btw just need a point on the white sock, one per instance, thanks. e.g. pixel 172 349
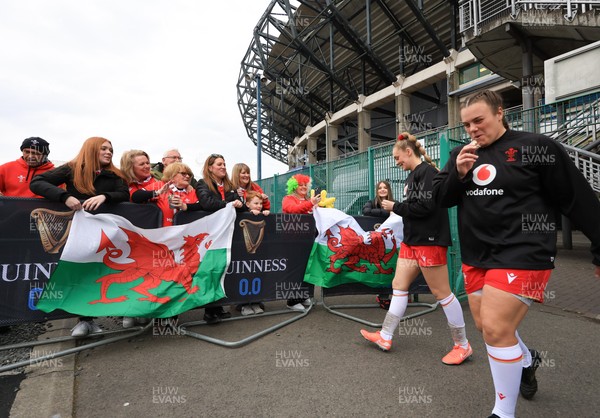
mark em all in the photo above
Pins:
pixel 526 353
pixel 506 366
pixel 397 308
pixel 456 320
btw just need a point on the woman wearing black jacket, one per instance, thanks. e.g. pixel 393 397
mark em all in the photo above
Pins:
pixel 373 207
pixel 91 179
pixel 214 191
pixel 423 250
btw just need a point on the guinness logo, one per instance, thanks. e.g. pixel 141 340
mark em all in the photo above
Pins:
pixel 53 227
pixel 254 232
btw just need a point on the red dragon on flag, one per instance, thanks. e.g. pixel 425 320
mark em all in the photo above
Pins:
pixel 152 261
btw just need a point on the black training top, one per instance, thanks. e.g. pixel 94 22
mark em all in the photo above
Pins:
pixel 507 203
pixel 425 223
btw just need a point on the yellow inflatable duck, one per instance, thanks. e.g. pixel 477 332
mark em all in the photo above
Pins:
pixel 326 202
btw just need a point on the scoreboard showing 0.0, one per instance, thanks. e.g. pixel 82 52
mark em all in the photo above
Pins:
pixel 250 288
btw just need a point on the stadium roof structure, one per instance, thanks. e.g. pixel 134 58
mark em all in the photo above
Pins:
pixel 310 58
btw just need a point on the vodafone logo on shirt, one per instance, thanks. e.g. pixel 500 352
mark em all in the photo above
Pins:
pixel 484 174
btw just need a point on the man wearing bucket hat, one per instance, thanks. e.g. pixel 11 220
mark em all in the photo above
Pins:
pixel 15 176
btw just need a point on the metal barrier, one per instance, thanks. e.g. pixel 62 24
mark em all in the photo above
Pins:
pixel 130 332
pixel 253 337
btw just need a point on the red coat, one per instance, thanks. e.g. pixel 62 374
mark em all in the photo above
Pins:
pixel 15 177
pixel 162 201
pixel 293 204
pixel 142 185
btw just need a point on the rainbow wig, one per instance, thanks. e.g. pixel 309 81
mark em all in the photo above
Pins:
pixel 294 181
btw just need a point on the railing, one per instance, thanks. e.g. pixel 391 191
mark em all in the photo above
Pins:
pixel 588 163
pixel 474 13
pixel 352 180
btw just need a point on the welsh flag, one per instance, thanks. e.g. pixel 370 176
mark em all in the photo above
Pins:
pixel 110 267
pixel 344 253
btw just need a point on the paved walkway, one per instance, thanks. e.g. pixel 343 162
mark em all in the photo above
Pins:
pixel 321 366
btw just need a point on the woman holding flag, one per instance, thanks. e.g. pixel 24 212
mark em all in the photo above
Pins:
pixel 423 250
pixel 214 191
pixel 91 180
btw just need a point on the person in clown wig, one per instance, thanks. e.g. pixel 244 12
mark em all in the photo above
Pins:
pixel 299 201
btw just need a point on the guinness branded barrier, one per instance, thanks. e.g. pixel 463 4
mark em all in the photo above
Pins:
pixel 268 257
pixel 32 235
pixel 268 254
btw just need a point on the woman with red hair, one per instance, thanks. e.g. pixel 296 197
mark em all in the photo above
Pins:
pixel 91 179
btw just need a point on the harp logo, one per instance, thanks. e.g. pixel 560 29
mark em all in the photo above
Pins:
pixel 254 232
pixel 53 227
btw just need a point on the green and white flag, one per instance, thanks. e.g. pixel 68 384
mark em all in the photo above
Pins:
pixel 344 253
pixel 111 267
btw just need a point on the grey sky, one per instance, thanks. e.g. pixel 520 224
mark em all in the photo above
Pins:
pixel 146 74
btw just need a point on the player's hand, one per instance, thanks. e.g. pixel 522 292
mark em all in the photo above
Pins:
pixel 388 205
pixel 466 158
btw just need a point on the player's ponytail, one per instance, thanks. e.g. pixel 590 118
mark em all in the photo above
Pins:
pixel 406 140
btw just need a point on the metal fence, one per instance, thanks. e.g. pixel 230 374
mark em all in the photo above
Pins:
pixel 352 180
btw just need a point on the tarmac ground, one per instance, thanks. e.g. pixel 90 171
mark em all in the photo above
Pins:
pixel 321 366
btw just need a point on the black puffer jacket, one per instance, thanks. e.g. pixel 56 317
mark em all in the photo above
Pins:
pixel 210 201
pixel 372 208
pixel 106 183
